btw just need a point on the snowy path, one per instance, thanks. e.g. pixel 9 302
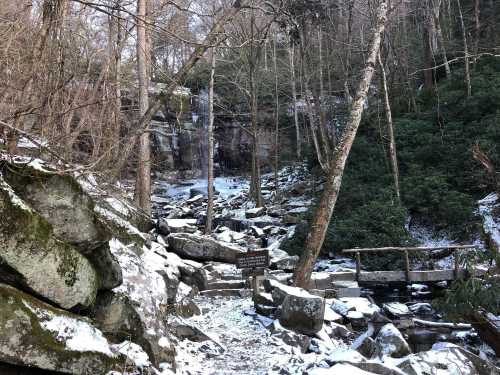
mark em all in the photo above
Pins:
pixel 248 346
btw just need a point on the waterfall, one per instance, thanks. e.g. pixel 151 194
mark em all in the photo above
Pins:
pixel 203 120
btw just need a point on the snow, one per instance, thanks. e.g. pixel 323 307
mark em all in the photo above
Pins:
pixel 14 198
pixel 107 214
pixel 24 142
pixel 141 281
pixel 133 352
pixel 34 163
pixel 226 186
pixel 491 224
pixel 360 304
pixel 75 334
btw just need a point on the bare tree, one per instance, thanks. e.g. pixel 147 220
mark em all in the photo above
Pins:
pixel 390 130
pixel 143 181
pixel 326 205
pixel 210 131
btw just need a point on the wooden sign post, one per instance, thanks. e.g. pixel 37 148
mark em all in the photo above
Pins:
pixel 253 264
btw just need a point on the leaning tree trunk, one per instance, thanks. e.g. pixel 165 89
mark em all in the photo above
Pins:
pixel 210 131
pixel 324 212
pixel 143 181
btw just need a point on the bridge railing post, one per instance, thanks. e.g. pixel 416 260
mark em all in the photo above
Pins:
pixel 358 265
pixel 456 271
pixel 407 265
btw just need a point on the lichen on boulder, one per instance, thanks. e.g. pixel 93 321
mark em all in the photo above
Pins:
pixel 62 202
pixel 31 257
pixel 38 335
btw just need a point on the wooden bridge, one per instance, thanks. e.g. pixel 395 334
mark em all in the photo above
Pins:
pixel 407 275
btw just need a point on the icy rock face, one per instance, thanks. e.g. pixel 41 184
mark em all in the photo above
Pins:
pixel 61 201
pixel 198 247
pixel 36 334
pixel 145 288
pixel 34 259
pixel 391 342
pixel 302 312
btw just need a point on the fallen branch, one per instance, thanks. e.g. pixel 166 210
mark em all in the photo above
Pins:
pixel 428 323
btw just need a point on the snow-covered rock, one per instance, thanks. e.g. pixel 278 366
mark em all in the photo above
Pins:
pixel 396 309
pixel 391 342
pixel 38 335
pixel 446 361
pixel 302 312
pixel 255 212
pixel 145 287
pixel 491 221
pixel 193 246
pixel 167 226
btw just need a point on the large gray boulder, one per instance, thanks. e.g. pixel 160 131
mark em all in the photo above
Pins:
pixel 147 304
pixel 302 312
pixel 61 201
pixel 32 258
pixel 391 342
pixel 38 335
pixel 193 246
pixel 449 361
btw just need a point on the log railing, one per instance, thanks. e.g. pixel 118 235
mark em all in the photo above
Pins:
pixel 405 250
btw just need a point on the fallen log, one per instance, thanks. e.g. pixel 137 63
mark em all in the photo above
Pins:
pixel 428 323
pixel 487 326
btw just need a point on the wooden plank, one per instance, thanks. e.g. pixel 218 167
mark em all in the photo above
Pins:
pixel 382 276
pixel 420 248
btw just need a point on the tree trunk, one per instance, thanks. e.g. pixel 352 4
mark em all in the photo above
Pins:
pixel 210 131
pixel 143 180
pixel 291 52
pixel 326 205
pixel 428 61
pixel 276 124
pixel 466 51
pixel 436 7
pixel 390 131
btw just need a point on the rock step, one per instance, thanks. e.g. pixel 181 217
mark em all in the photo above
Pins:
pixel 226 284
pixel 226 293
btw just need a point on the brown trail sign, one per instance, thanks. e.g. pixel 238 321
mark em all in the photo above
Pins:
pixel 253 264
pixel 253 259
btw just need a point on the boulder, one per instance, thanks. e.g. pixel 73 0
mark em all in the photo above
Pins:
pixel 290 337
pixel 391 342
pixel 144 285
pixel 302 311
pixel 448 361
pixel 396 309
pixel 32 258
pixel 117 318
pixel 38 335
pixel 255 212
pixel 167 226
pixel 365 345
pixel 197 247
pixel 61 201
